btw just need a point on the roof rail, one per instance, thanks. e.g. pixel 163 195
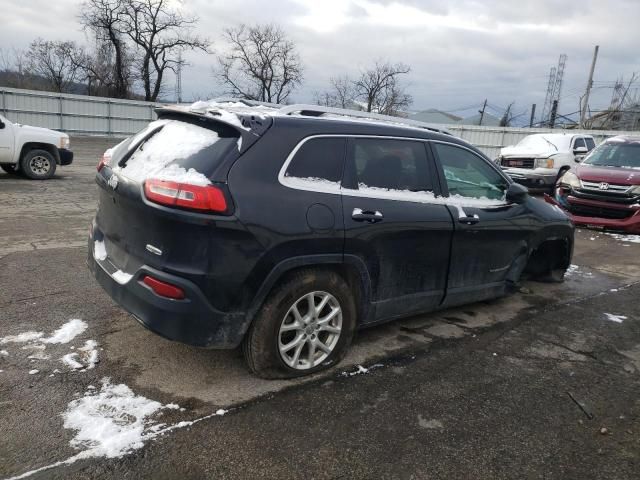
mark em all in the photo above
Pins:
pixel 318 110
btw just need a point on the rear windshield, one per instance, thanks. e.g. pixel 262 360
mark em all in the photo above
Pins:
pixel 180 151
pixel 624 155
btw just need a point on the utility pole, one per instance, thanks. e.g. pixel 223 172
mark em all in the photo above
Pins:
pixel 554 113
pixel 481 112
pixel 533 115
pixel 585 105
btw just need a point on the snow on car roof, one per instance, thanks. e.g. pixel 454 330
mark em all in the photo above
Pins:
pixel 231 111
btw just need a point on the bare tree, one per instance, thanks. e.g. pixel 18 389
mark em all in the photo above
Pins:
pixel 378 87
pixel 111 65
pixel 261 63
pixel 160 32
pixel 340 95
pixel 55 61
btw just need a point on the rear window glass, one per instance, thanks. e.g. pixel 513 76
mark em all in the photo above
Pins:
pixel 179 151
pixel 591 144
pixel 318 159
pixel 391 164
pixel 579 143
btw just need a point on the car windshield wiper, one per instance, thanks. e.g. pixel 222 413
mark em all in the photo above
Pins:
pixel 550 143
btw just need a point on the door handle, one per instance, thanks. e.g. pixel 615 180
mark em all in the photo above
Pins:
pixel 360 215
pixel 469 220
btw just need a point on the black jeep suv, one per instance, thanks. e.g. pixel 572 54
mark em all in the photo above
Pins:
pixel 285 229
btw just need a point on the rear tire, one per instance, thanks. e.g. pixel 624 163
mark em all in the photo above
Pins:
pixel 287 320
pixel 10 168
pixel 38 165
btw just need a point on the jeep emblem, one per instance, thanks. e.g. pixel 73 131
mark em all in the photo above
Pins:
pixel 113 181
pixel 604 186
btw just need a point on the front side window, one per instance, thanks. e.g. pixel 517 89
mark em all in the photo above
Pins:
pixel 468 175
pixel 392 165
pixel 318 160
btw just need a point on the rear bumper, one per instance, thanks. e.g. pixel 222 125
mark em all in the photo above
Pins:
pixel 192 321
pixel 630 224
pixel 66 156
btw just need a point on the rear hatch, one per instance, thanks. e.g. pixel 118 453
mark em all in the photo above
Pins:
pixel 133 228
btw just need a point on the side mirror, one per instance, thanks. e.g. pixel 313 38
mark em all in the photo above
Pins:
pixel 516 193
pixel 580 150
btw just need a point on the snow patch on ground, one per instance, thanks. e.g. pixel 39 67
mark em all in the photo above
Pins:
pixel 34 371
pixel 574 270
pixel 90 352
pixel 67 332
pixel 360 370
pixel 625 238
pixel 21 337
pixel 111 422
pixel 615 318
pixel 4 353
pixel 70 360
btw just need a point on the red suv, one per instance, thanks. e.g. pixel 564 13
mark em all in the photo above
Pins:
pixel 604 190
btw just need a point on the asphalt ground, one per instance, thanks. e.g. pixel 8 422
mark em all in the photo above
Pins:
pixel 539 384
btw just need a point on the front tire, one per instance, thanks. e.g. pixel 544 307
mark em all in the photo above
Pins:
pixel 306 325
pixel 38 165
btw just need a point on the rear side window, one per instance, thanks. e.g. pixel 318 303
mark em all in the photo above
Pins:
pixel 390 164
pixel 591 144
pixel 318 160
pixel 180 151
pixel 579 142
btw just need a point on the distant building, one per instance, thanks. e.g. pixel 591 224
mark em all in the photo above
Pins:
pixel 433 115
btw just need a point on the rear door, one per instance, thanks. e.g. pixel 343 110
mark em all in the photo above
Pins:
pixel 394 224
pixel 488 237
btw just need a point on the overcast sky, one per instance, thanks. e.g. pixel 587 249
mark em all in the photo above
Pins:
pixel 460 51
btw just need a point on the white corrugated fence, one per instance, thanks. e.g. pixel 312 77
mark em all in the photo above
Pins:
pixel 84 115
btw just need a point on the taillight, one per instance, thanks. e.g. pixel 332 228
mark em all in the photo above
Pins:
pixel 196 197
pixel 106 158
pixel 163 289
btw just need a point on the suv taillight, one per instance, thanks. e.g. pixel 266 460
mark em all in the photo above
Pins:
pixel 106 158
pixel 173 194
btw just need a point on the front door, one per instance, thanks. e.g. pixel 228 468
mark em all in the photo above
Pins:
pixel 394 225
pixel 6 141
pixel 488 241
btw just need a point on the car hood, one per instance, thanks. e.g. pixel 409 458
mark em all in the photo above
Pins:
pixel 41 131
pixel 516 152
pixel 616 175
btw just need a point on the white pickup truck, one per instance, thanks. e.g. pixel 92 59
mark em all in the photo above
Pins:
pixel 32 151
pixel 539 160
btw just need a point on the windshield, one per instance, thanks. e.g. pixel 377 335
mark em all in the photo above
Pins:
pixel 536 142
pixel 623 155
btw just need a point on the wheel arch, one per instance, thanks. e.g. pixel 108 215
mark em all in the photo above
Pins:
pixel 52 149
pixel 351 268
pixel 549 254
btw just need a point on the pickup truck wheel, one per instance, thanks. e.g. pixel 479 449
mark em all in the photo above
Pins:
pixel 38 164
pixel 11 168
pixel 306 324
